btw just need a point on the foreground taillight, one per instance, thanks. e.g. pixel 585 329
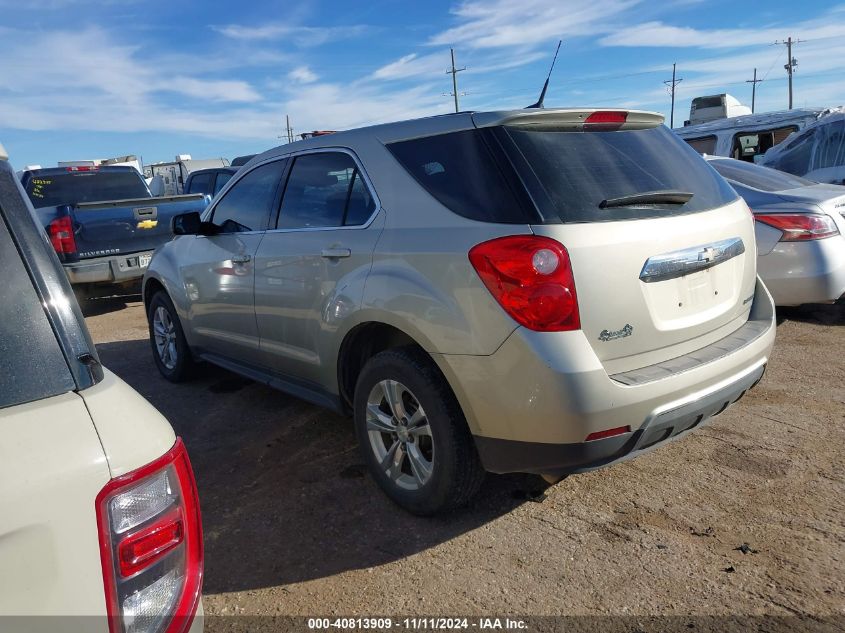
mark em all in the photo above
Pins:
pixel 531 278
pixel 61 235
pixel 800 227
pixel 151 546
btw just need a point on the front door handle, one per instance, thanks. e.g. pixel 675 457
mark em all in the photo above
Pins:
pixel 241 259
pixel 334 253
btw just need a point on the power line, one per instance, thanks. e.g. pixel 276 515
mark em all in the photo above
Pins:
pixel 671 85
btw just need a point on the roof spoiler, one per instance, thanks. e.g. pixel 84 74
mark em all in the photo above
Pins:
pixel 568 119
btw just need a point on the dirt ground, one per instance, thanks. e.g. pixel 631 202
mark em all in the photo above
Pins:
pixel 293 525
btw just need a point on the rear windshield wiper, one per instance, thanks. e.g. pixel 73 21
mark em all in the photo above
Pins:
pixel 647 197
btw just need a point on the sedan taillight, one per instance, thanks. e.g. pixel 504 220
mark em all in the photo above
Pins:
pixel 799 227
pixel 151 546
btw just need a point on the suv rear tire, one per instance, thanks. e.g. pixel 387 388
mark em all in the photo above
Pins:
pixel 171 353
pixel 413 434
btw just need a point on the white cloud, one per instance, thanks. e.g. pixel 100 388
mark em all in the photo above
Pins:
pixel 287 33
pixel 303 75
pixel 527 23
pixel 412 65
pixel 50 63
pixel 45 84
pixel 659 34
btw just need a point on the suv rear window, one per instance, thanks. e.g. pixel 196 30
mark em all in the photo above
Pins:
pixel 461 172
pixel 54 189
pixel 31 361
pixel 569 174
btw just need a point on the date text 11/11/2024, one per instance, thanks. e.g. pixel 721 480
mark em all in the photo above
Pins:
pixel 417 623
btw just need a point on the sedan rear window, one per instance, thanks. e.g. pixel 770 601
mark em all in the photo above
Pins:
pixel 54 189
pixel 758 177
pixel 573 175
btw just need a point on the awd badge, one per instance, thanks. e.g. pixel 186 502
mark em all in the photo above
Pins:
pixel 608 335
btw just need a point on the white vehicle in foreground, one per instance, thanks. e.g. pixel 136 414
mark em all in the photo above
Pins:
pixel 99 514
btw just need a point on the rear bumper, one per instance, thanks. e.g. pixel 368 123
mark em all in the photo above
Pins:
pixel 111 269
pixel 504 456
pixel 805 272
pixel 532 404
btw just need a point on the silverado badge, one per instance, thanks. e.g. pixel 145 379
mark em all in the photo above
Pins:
pixel 147 224
pixel 607 335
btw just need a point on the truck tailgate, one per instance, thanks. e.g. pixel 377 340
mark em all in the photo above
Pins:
pixel 128 226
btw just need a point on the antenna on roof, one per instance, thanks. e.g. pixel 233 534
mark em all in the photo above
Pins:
pixel 539 103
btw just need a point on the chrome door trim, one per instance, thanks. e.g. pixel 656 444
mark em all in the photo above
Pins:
pixel 689 260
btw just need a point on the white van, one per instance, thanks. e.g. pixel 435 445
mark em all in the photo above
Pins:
pixel 713 107
pixel 747 137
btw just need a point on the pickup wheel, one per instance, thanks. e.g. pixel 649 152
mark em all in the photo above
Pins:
pixel 170 350
pixel 413 434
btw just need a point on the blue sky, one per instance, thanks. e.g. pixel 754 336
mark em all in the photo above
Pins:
pixel 88 79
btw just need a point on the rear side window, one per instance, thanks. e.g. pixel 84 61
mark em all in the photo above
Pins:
pixel 200 183
pixel 247 205
pixel 222 178
pixel 703 145
pixel 573 174
pixel 54 189
pixel 325 190
pixel 461 172
pixel 31 363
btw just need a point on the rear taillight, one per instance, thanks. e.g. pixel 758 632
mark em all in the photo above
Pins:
pixel 531 278
pixel 151 546
pixel 799 227
pixel 61 235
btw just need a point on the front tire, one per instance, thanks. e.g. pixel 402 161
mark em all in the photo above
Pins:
pixel 413 434
pixel 170 349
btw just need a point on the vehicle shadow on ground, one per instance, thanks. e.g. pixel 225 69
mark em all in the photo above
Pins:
pixel 285 495
pixel 96 307
pixel 822 314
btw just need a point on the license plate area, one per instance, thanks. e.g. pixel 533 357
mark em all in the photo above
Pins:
pixel 695 298
pixel 135 261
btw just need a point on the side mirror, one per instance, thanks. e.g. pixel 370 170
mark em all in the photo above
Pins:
pixel 186 224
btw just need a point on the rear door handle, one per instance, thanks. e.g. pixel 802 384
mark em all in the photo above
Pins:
pixel 241 259
pixel 333 253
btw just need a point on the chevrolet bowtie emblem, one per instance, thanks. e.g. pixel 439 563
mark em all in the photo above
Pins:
pixel 147 224
pixel 707 255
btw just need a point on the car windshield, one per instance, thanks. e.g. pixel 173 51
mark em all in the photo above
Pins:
pixel 576 174
pixel 54 189
pixel 757 177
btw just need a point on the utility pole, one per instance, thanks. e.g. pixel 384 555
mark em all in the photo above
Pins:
pixel 288 129
pixel 454 72
pixel 753 83
pixel 790 65
pixel 671 85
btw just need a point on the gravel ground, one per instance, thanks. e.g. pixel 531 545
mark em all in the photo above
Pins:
pixel 294 526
